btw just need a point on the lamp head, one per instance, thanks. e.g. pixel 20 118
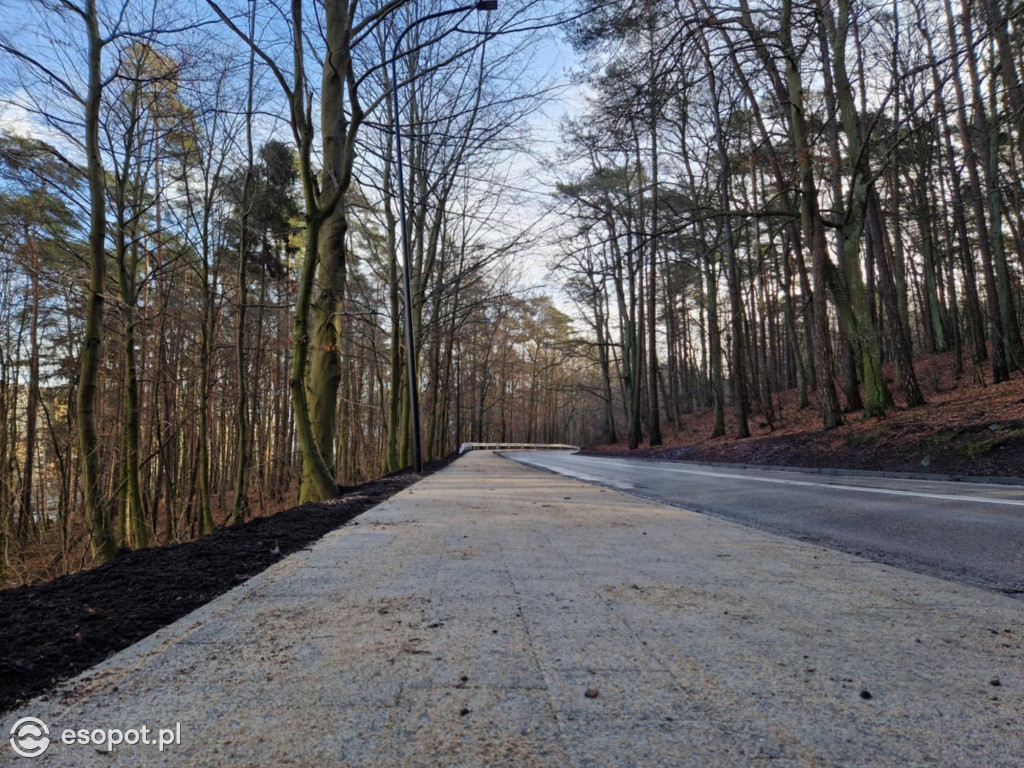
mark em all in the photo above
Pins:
pixel 487 5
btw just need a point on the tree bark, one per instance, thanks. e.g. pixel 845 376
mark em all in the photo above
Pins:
pixel 813 226
pixel 102 542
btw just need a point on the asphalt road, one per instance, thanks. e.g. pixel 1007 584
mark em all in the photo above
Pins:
pixel 972 533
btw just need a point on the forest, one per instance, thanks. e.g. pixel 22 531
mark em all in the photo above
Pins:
pixel 201 237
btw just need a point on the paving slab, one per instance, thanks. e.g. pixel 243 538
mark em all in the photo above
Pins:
pixel 497 615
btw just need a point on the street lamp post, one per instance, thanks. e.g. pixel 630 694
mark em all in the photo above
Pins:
pixel 414 395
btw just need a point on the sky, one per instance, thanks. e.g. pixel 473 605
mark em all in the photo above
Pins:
pixel 553 61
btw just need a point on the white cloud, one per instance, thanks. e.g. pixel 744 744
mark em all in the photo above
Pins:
pixel 14 118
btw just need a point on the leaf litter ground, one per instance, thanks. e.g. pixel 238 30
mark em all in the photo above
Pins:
pixel 967 429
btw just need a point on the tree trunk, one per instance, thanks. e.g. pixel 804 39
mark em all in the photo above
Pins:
pixel 25 512
pixel 240 496
pixel 813 227
pixel 653 412
pixel 1000 369
pixel 102 542
pixel 877 399
pixel 898 339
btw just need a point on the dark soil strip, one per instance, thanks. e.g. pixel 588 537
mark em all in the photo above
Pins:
pixel 51 632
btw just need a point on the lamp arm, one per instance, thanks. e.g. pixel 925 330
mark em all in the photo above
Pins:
pixel 396 50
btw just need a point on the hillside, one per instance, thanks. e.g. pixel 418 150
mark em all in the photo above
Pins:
pixel 967 428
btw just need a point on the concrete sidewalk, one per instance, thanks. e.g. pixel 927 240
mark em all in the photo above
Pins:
pixel 496 615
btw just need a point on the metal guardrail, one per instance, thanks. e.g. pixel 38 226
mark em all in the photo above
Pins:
pixel 516 447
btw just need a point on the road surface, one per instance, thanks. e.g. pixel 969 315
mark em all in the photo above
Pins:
pixel 968 532
pixel 496 615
